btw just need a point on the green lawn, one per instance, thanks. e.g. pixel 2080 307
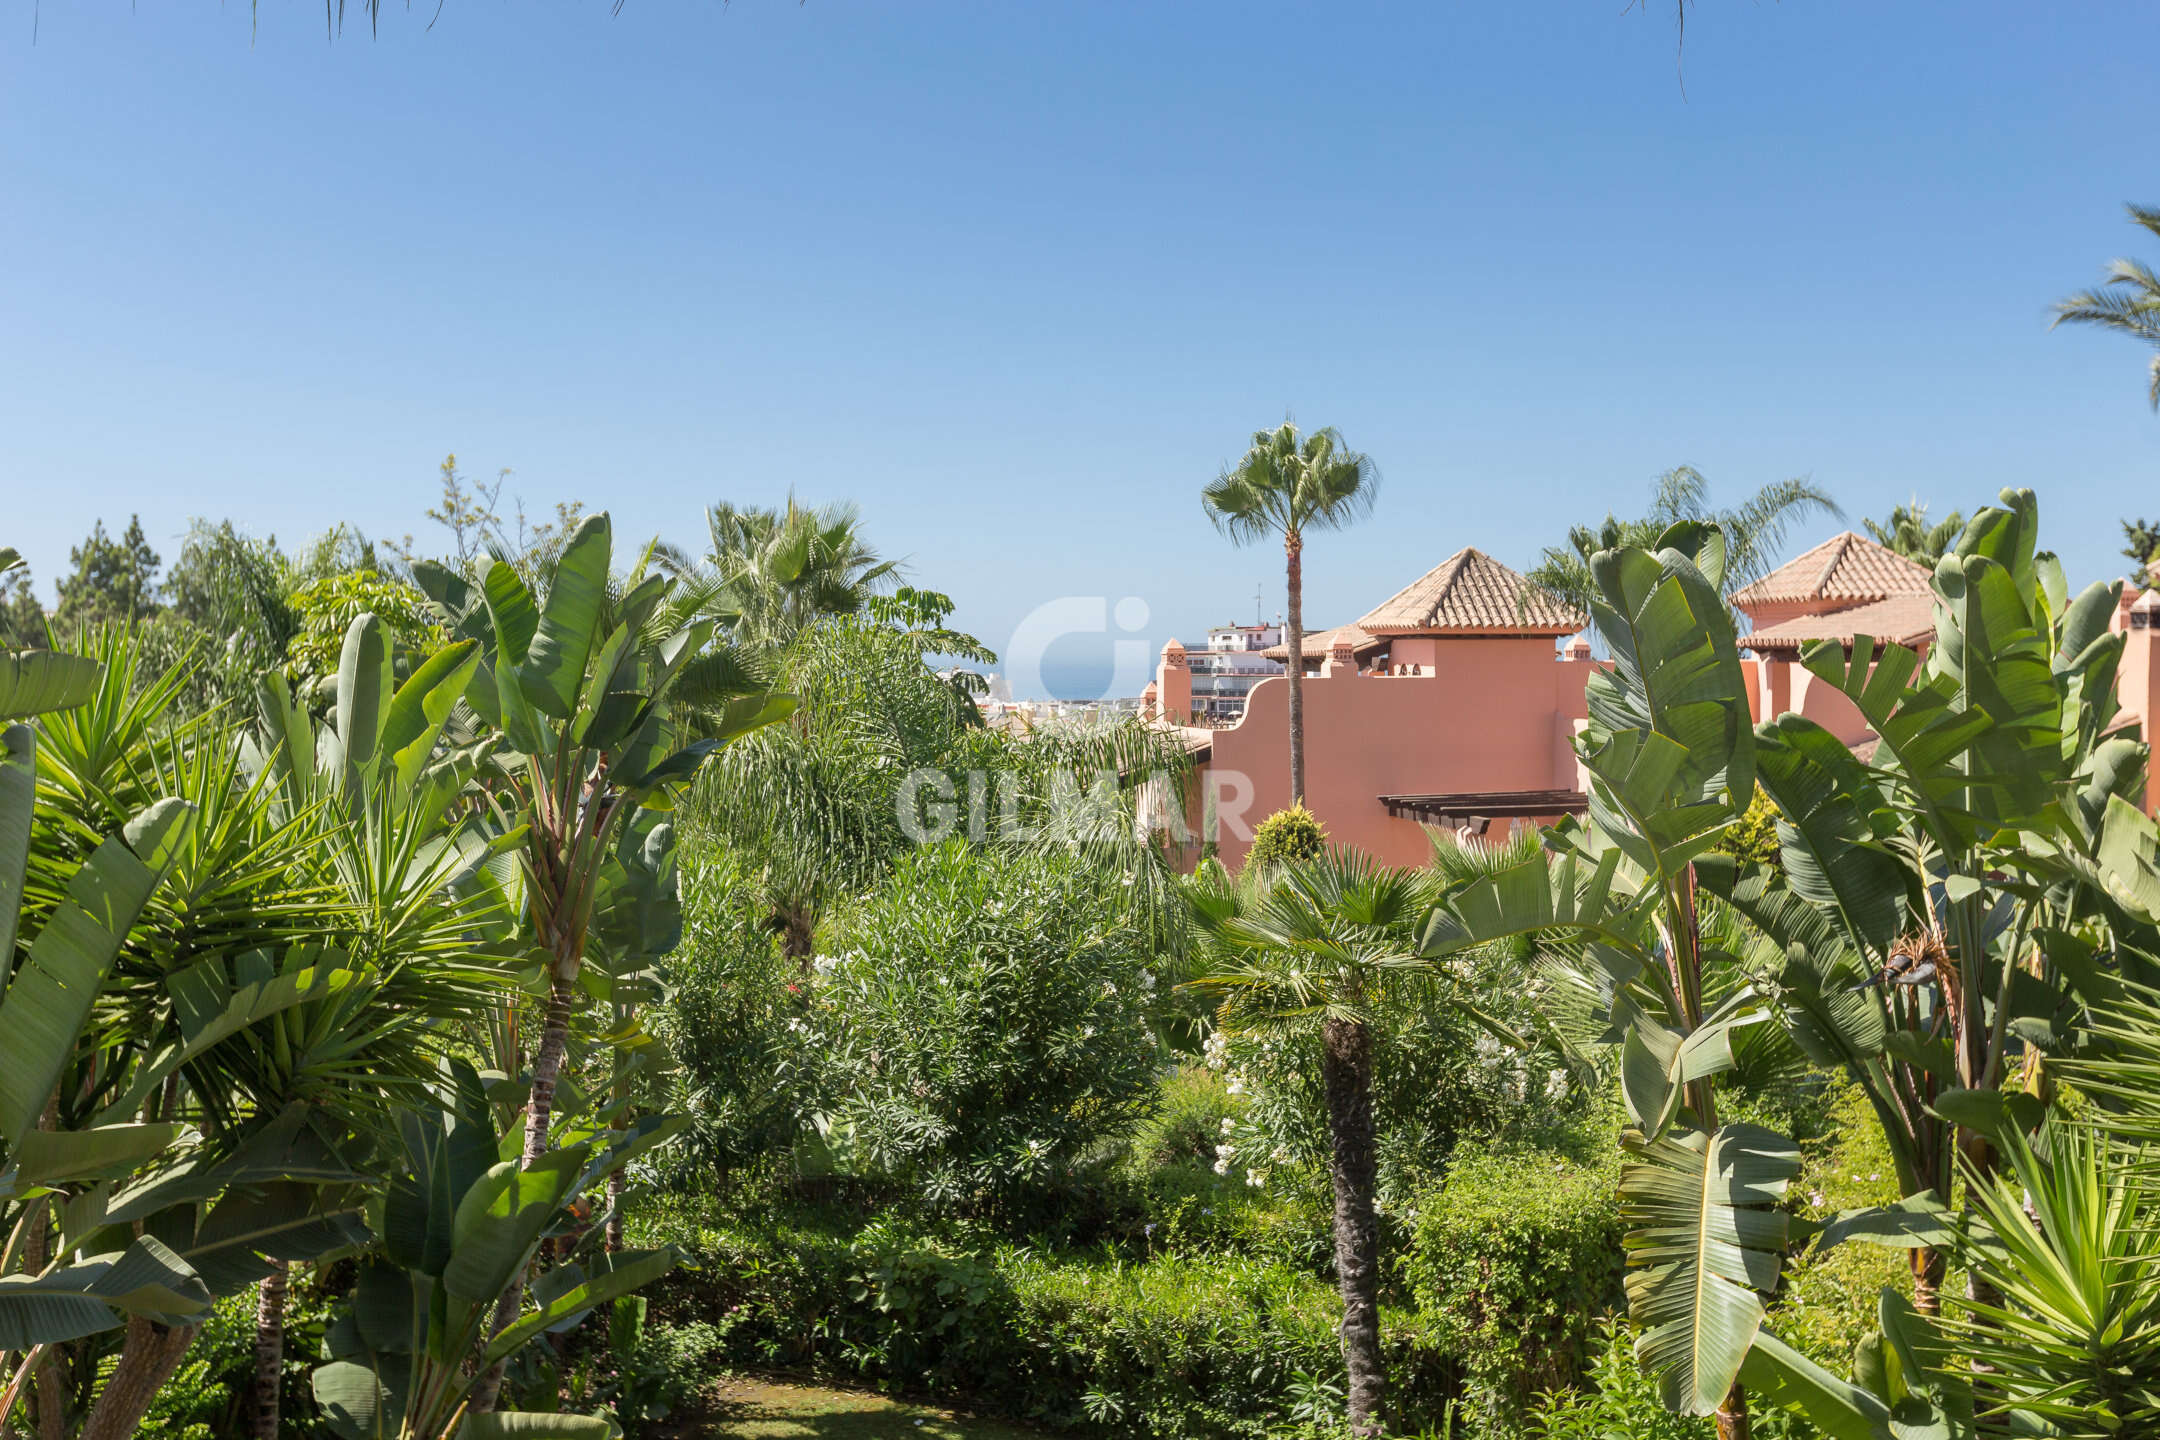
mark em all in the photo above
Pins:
pixel 749 1409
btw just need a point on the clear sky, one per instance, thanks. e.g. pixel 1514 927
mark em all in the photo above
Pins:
pixel 1019 277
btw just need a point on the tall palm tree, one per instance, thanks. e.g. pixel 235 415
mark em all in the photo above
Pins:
pixel 1753 533
pixel 1321 944
pixel 1906 530
pixel 1286 485
pixel 767 575
pixel 2127 302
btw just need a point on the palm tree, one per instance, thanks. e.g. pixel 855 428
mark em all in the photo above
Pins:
pixel 1323 944
pixel 2127 302
pixel 1753 533
pixel 767 575
pixel 1284 486
pixel 1906 530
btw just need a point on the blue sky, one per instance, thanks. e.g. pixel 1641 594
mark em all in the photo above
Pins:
pixel 1018 278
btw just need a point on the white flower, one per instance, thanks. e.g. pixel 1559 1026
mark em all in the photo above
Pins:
pixel 1222 1167
pixel 1256 1178
pixel 1236 1085
pixel 1228 1125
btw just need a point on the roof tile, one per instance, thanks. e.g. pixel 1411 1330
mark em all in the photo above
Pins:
pixel 1899 618
pixel 1472 591
pixel 1844 567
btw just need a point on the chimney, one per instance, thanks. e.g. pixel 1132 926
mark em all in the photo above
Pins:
pixel 1173 685
pixel 1341 657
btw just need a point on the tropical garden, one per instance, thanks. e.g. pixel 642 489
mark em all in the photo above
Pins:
pixel 503 993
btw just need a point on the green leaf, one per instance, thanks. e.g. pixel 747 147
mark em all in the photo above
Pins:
pixel 1777 1374
pixel 420 707
pixel 554 667
pixel 36 681
pixel 501 1218
pixel 510 607
pixel 1913 1222
pixel 53 1157
pixel 1824 798
pixel 357 1404
pixel 49 1003
pixel 363 687
pixel 605 1277
pixel 1705 1241
pixel 18 808
pixel 146 1279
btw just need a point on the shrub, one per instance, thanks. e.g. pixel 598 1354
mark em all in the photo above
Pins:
pixel 1754 835
pixel 981 1034
pixel 1287 836
pixel 1511 1261
pixel 1208 1348
pixel 731 1000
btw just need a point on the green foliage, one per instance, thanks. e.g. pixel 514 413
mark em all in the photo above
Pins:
pixel 1176 1347
pixel 980 1028
pixel 1620 1402
pixel 1288 837
pixel 1512 1258
pixel 113 579
pixel 1906 530
pixel 1753 837
pixel 324 610
pixel 2141 546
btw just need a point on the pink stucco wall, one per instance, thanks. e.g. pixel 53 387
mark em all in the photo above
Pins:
pixel 1492 713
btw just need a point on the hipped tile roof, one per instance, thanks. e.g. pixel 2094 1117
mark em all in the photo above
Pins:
pixel 1471 591
pixel 1845 567
pixel 1318 642
pixel 1899 618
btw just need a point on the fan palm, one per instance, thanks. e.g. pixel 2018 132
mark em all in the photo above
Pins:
pixel 767 575
pixel 1285 485
pixel 1321 944
pixel 2127 302
pixel 1753 532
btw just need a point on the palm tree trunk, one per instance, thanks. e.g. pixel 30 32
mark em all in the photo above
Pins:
pixel 614 1233
pixel 1928 1265
pixel 1346 1070
pixel 269 1350
pixel 1732 1416
pixel 1294 639
pixel 148 1357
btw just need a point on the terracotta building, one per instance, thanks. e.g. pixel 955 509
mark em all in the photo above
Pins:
pixel 1452 702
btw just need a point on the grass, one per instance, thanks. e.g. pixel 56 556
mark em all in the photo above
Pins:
pixel 753 1409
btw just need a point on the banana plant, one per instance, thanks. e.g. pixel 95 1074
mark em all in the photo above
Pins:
pixel 1670 751
pixel 462 1219
pixel 579 682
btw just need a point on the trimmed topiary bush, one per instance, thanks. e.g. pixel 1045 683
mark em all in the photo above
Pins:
pixel 1288 836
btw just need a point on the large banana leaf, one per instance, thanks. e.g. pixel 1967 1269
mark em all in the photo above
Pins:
pixel 364 682
pixel 1831 851
pixel 1993 650
pixel 48 1004
pixel 554 667
pixel 18 808
pixel 574 1290
pixel 54 1157
pixel 1705 1241
pixel 36 681
pixel 1921 736
pixel 146 1279
pixel 501 1218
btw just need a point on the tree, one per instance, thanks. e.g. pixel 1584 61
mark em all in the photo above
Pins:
pixel 768 575
pixel 2141 546
pixel 1906 531
pixel 1321 944
pixel 1284 486
pixel 579 686
pixel 22 619
pixel 2127 302
pixel 1753 532
pixel 112 580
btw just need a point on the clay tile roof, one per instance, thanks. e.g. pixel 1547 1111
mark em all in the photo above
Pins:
pixel 1844 567
pixel 1317 643
pixel 1899 618
pixel 1472 591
